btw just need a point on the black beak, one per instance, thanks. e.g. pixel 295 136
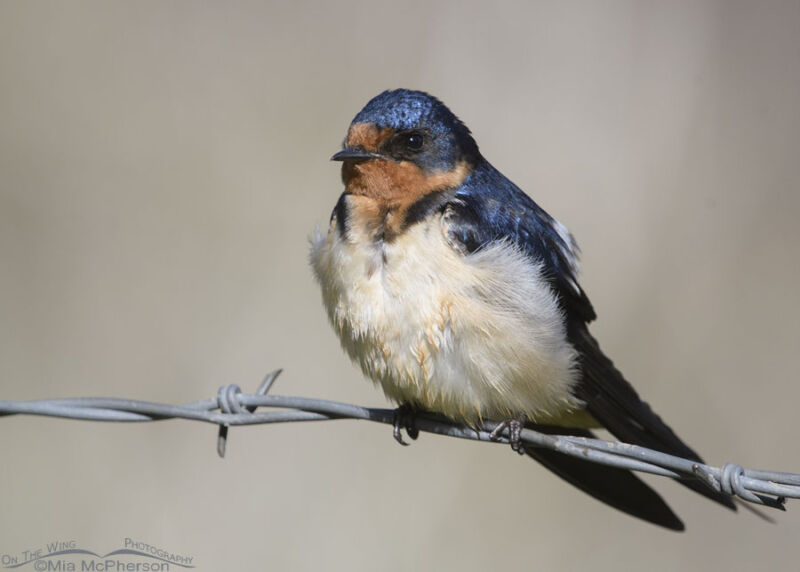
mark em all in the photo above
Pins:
pixel 355 154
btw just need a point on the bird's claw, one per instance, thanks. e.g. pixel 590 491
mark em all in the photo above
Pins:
pixel 514 427
pixel 405 417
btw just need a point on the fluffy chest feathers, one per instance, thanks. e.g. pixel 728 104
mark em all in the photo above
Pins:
pixel 476 336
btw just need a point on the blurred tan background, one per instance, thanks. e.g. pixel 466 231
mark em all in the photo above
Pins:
pixel 162 164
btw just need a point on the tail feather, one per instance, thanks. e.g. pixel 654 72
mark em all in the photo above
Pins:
pixel 618 488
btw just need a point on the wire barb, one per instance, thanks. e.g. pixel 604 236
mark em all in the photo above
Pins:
pixel 228 400
pixel 233 407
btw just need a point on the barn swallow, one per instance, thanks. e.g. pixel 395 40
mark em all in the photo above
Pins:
pixel 459 295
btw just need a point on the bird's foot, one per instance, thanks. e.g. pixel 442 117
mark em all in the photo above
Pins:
pixel 514 427
pixel 405 417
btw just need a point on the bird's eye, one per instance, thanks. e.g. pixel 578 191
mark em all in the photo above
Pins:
pixel 414 141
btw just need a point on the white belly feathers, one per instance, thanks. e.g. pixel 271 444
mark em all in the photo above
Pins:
pixel 476 336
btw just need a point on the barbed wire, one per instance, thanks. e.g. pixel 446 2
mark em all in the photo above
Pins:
pixel 233 407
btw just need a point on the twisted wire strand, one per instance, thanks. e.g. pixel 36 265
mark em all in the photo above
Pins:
pixel 233 407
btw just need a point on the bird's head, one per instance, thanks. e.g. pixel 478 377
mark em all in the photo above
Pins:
pixel 405 144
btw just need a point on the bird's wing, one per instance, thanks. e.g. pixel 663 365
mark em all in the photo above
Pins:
pixel 489 208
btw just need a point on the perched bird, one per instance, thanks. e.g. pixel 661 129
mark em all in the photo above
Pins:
pixel 459 295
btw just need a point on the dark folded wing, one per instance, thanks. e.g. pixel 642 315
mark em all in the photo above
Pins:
pixel 480 217
pixel 490 208
pixel 613 402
